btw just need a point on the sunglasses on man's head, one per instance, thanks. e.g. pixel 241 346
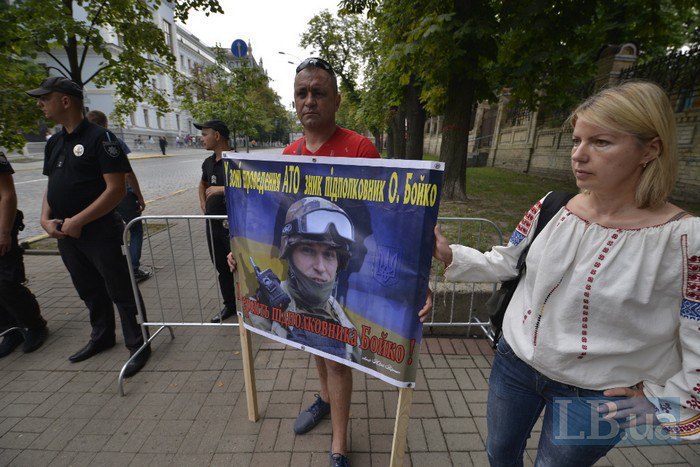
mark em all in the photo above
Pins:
pixel 316 62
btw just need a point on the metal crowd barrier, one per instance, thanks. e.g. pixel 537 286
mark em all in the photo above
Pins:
pixel 184 290
pixel 461 305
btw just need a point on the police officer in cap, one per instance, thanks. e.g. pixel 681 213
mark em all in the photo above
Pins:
pixel 86 168
pixel 212 201
pixel 18 307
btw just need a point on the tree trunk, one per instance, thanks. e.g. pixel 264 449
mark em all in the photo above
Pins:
pixel 455 136
pixel 399 125
pixel 415 118
pixel 390 141
pixel 377 139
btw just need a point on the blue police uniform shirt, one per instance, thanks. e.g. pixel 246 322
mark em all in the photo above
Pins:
pixel 213 171
pixel 75 164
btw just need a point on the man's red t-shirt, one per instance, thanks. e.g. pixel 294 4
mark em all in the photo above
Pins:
pixel 343 143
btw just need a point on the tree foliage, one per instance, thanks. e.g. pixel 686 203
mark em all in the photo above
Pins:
pixel 241 97
pixel 80 28
pixel 18 74
pixel 349 43
pixel 344 41
pixel 462 51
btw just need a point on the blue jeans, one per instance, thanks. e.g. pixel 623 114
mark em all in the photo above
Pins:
pixel 128 208
pixel 573 434
pixel 135 244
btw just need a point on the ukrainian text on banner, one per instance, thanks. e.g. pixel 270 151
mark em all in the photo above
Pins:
pixel 334 254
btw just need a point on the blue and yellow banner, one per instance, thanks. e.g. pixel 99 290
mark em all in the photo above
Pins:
pixel 334 254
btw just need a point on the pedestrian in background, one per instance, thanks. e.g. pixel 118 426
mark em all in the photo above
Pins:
pixel 602 331
pixel 18 306
pixel 130 207
pixel 163 142
pixel 215 135
pixel 86 166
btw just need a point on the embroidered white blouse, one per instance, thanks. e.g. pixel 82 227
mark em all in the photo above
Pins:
pixel 601 307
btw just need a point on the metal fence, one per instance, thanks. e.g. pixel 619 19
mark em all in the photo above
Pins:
pixel 461 305
pixel 678 73
pixel 184 289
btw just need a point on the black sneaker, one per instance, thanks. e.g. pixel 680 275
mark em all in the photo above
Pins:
pixel 339 460
pixel 34 338
pixel 310 417
pixel 223 315
pixel 141 275
pixel 10 342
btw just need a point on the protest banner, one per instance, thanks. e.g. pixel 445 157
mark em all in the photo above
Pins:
pixel 334 255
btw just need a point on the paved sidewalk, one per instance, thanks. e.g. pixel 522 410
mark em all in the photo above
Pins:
pixel 188 406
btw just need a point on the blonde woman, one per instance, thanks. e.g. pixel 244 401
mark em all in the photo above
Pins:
pixel 603 331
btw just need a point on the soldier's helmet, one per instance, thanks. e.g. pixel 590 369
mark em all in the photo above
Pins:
pixel 318 220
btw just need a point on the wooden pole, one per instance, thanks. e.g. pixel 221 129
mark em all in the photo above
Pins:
pixel 403 412
pixel 248 371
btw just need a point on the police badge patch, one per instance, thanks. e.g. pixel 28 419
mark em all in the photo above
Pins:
pixel 111 148
pixel 78 150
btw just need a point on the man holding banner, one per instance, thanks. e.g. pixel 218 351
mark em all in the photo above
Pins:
pixel 317 100
pixel 334 255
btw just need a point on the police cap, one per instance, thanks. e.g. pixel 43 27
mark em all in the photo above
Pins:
pixel 57 84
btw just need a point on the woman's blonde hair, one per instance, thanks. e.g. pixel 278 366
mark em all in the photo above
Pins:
pixel 642 109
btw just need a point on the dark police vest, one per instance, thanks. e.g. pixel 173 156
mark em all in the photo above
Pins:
pixel 75 164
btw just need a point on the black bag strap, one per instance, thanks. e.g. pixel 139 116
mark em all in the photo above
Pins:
pixel 550 206
pixel 498 303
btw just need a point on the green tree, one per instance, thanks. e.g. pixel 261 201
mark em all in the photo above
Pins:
pixel 76 28
pixel 17 76
pixel 349 43
pixel 241 97
pixel 346 42
pixel 461 51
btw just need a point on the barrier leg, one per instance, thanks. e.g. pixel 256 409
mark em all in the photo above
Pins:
pixel 146 343
pixel 248 371
pixel 403 412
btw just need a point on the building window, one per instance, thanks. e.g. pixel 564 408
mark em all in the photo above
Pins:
pixel 146 123
pixel 177 122
pixel 182 61
pixel 160 122
pixel 167 30
pixel 132 117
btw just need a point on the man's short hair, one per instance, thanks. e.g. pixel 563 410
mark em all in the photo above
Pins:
pixel 216 125
pixel 57 84
pixel 98 118
pixel 317 62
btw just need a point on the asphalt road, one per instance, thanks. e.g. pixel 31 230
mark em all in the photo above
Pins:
pixel 158 177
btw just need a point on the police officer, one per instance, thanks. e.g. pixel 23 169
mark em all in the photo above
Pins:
pixel 215 135
pixel 130 207
pixel 18 307
pixel 86 168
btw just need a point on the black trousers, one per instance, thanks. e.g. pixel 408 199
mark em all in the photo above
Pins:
pixel 18 306
pixel 100 275
pixel 219 247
